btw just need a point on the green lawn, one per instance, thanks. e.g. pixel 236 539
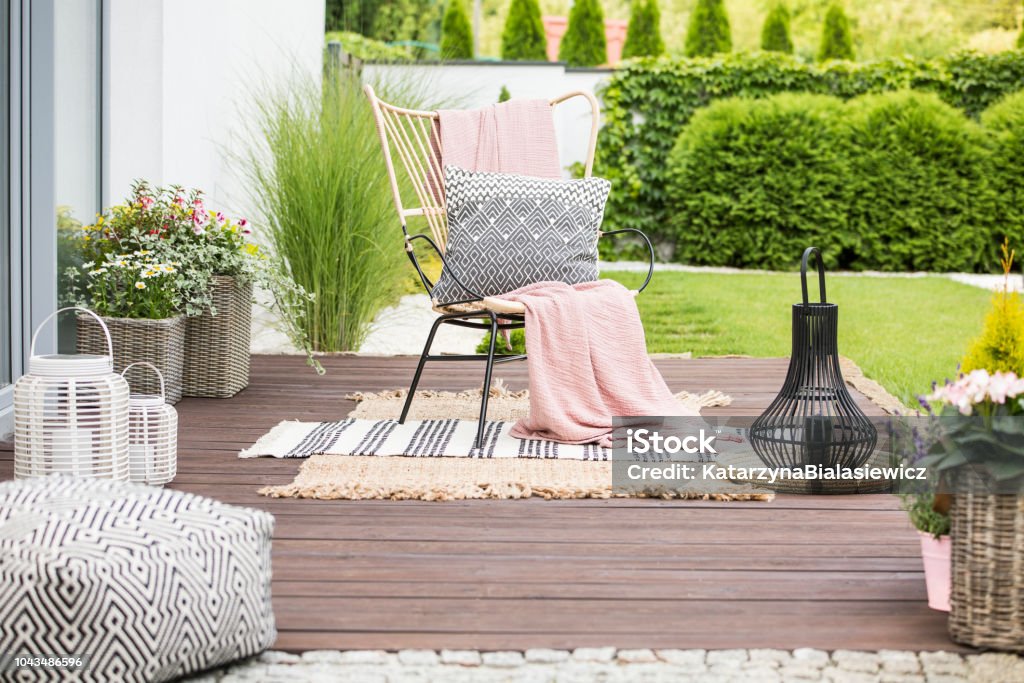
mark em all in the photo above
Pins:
pixel 903 332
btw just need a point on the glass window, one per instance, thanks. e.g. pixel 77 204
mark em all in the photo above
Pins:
pixel 5 214
pixel 77 62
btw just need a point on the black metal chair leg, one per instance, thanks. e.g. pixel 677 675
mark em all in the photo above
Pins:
pixel 487 384
pixel 419 367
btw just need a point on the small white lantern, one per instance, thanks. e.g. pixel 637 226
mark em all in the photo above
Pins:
pixel 71 414
pixel 152 435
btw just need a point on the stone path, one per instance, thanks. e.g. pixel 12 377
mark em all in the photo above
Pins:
pixel 589 665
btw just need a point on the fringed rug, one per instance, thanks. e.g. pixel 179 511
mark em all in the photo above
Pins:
pixel 349 459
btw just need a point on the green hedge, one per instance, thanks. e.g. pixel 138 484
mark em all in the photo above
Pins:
pixel 648 102
pixel 1005 123
pixel 895 181
pixel 756 181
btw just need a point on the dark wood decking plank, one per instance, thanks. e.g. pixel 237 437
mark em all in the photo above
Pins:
pixel 826 572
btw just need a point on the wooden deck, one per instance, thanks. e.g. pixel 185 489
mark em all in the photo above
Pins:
pixel 827 572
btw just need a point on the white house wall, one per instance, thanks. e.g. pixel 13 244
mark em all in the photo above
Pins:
pixel 180 80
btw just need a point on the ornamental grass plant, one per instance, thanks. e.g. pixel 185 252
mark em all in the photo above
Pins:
pixel 317 177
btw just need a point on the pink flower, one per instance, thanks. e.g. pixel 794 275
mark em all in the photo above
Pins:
pixel 180 201
pixel 198 229
pixel 147 202
pixel 200 216
pixel 220 217
pixel 244 225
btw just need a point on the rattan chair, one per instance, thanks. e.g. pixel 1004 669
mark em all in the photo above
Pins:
pixel 410 135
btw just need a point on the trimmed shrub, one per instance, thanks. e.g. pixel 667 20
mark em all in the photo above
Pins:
pixel 584 43
pixel 708 32
pixel 775 33
pixel 836 41
pixel 643 37
pixel 754 182
pixel 920 199
pixel 648 103
pixel 456 34
pixel 523 38
pixel 1005 123
pixel 504 95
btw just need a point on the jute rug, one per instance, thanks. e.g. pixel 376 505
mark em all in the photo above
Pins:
pixel 504 475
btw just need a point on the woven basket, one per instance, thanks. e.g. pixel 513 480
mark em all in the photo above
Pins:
pixel 135 340
pixel 217 362
pixel 987 601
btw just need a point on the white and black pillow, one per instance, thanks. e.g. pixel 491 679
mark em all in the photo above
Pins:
pixel 507 231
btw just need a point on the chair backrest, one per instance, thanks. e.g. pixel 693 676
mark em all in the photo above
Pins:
pixel 412 136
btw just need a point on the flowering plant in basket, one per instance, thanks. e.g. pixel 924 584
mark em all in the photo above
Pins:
pixel 172 225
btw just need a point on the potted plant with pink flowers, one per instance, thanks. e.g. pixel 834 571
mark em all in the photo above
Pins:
pixel 977 451
pixel 213 288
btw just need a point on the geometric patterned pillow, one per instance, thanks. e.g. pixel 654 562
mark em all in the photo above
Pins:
pixel 150 584
pixel 507 231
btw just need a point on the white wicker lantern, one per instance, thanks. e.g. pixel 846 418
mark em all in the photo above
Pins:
pixel 71 414
pixel 152 435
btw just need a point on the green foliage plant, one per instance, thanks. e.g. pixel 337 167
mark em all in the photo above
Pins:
pixel 755 181
pixel 368 49
pixel 516 345
pixel 836 40
pixel 775 32
pixel 504 95
pixel 921 198
pixel 584 41
pixel 648 102
pixel 316 174
pixel 456 33
pixel 708 32
pixel 920 507
pixel 643 35
pixel 523 38
pixel 1004 122
pixel 1000 347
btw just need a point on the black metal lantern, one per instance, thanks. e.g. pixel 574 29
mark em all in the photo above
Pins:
pixel 813 420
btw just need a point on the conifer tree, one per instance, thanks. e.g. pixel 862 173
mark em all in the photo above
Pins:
pixel 523 38
pixel 775 33
pixel 584 43
pixel 708 32
pixel 456 34
pixel 836 41
pixel 643 37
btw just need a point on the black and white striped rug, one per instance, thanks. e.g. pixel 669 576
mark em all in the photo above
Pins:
pixel 426 438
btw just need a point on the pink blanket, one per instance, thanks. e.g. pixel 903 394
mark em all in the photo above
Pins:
pixel 517 136
pixel 588 361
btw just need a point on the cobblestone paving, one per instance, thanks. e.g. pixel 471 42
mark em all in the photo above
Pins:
pixel 596 665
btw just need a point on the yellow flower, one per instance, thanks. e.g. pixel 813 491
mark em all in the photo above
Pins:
pixel 251 249
pixel 99 220
pixel 140 285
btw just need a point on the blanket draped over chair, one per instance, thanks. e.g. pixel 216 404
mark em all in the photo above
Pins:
pixel 588 361
pixel 517 136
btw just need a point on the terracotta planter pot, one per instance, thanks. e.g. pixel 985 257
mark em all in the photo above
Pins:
pixel 936 553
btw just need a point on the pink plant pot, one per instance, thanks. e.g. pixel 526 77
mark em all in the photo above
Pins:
pixel 936 553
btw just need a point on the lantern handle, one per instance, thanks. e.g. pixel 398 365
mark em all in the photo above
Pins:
pixel 163 387
pixel 821 273
pixel 103 326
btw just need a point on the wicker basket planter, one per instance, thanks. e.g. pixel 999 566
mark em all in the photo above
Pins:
pixel 160 342
pixel 987 602
pixel 217 362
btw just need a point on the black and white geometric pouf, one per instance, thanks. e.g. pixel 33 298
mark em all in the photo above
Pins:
pixel 144 584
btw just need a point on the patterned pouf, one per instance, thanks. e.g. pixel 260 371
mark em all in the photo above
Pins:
pixel 145 583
